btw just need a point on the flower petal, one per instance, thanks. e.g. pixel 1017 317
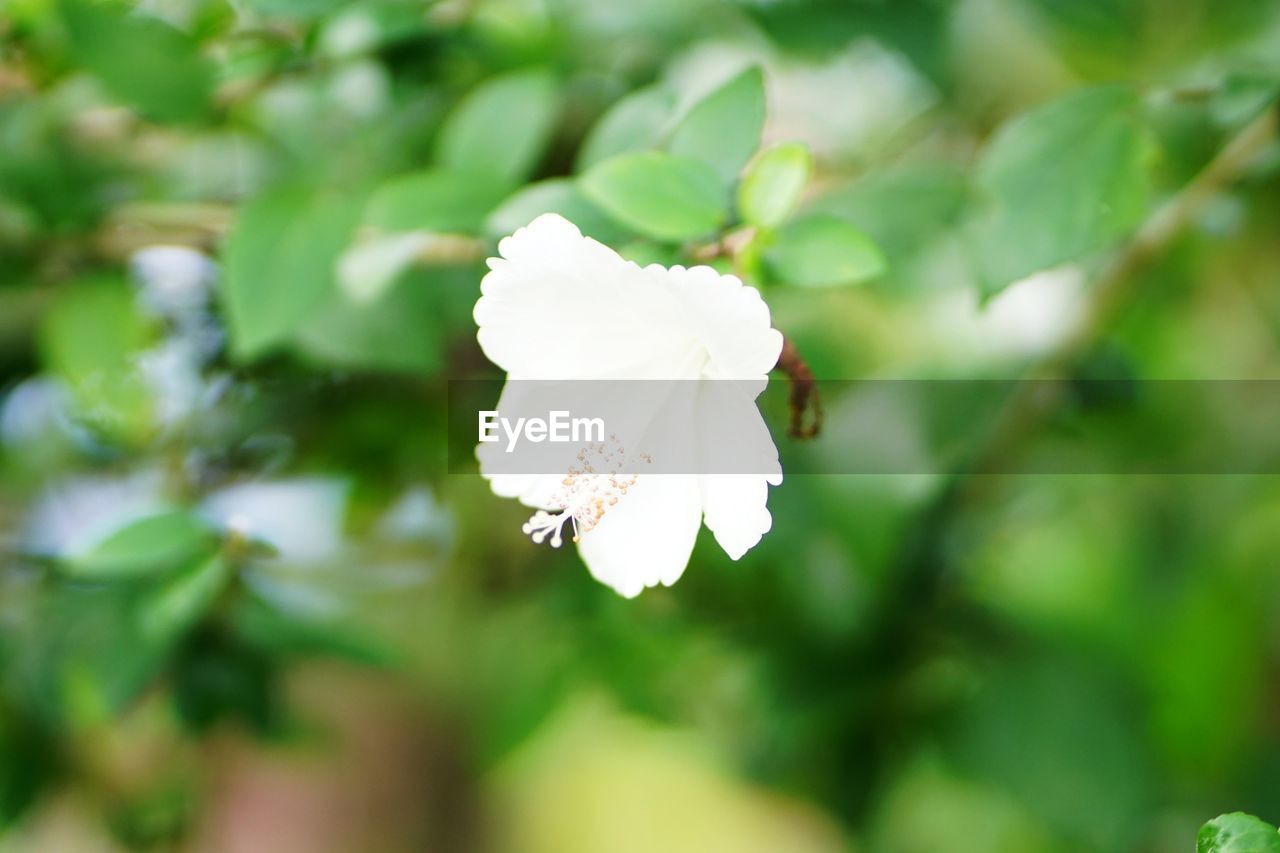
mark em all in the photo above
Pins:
pixel 558 305
pixel 734 509
pixel 640 415
pixel 647 538
pixel 733 504
pixel 728 318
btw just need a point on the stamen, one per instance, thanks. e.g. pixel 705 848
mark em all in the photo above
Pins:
pixel 586 492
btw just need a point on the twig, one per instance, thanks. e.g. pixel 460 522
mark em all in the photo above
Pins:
pixel 728 246
pixel 201 225
pixel 804 393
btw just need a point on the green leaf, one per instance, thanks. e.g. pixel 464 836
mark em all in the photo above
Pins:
pixel 263 626
pixel 434 200
pixel 500 129
pixel 301 9
pixel 1242 96
pixel 823 251
pixel 396 332
pixel 91 337
pixel 179 603
pixel 141 60
pixel 27 769
pixel 365 26
pixel 659 195
pixel 1039 727
pixel 904 209
pixel 723 129
pixel 217 678
pixel 1060 182
pixel 92 647
pixel 152 544
pixel 1237 833
pixel 633 123
pixel 645 253
pixel 557 195
pixel 280 265
pixel 772 185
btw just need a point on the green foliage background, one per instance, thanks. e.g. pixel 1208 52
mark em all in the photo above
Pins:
pixel 367 647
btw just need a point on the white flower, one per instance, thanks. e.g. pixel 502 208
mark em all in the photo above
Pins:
pixel 74 516
pixel 1029 317
pixel 176 281
pixel 560 306
pixel 301 518
pixel 37 410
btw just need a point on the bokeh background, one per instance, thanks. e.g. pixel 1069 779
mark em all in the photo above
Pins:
pixel 244 607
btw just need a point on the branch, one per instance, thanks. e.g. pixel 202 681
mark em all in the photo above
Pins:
pixel 201 225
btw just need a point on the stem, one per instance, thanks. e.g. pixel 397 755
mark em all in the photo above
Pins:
pixel 804 392
pixel 201 225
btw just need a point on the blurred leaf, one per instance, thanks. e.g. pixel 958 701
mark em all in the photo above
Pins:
pixel 1111 39
pixel 143 61
pixel 646 252
pixel 295 8
pixel 28 761
pixel 1205 674
pixel 155 816
pixel 90 648
pixel 928 809
pixel 822 251
pixel 180 602
pixel 217 677
pixel 91 337
pixel 280 263
pixel 1099 37
pixel 723 129
pixel 152 544
pixel 657 194
pixel 1237 833
pixel 557 195
pixel 1063 742
pixel 921 30
pixel 635 122
pixel 397 331
pixel 364 26
pixel 1243 96
pixel 1060 182
pixel 434 200
pixel 46 175
pixel 500 129
pixel 773 183
pixel 903 209
pixel 262 626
